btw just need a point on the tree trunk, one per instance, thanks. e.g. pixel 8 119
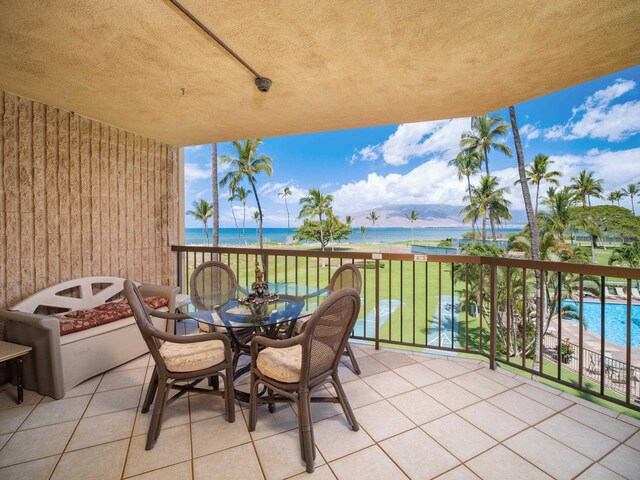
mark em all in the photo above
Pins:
pixel 633 208
pixel 235 220
pixel 321 233
pixel 215 211
pixel 535 212
pixel 533 229
pixel 493 228
pixel 288 221
pixel 473 221
pixel 484 228
pixel 486 160
pixel 255 194
pixel 244 219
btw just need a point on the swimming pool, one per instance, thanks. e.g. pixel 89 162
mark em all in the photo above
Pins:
pixel 615 316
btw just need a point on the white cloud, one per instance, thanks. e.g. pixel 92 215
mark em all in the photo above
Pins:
pixel 272 191
pixel 193 172
pixel 598 118
pixel 530 132
pixel 193 148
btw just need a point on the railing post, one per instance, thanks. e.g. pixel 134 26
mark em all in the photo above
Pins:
pixel 377 303
pixel 493 311
pixel 179 270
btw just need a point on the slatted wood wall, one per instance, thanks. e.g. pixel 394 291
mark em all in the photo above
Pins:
pixel 81 198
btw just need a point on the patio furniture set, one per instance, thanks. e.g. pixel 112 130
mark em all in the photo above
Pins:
pixel 295 340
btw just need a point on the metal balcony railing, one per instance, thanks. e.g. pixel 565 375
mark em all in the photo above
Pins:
pixel 503 309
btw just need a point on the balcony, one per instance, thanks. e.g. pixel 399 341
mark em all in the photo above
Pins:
pixel 421 416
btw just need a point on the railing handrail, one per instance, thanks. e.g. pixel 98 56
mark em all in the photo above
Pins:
pixel 564 267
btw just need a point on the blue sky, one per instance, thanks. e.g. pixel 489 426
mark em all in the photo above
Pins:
pixel 595 125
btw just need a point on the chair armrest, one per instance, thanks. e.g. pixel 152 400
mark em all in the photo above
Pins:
pixel 167 315
pixel 259 340
pixel 201 337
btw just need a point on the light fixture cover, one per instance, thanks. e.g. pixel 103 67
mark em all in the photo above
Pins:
pixel 263 84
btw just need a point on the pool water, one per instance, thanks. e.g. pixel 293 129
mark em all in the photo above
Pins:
pixel 615 316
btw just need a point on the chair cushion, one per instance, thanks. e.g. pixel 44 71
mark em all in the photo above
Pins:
pixel 281 364
pixel 189 357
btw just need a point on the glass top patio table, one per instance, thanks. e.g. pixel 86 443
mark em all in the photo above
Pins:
pixel 222 308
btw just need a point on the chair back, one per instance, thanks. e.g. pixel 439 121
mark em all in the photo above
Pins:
pixel 212 283
pixel 143 320
pixel 347 276
pixel 327 332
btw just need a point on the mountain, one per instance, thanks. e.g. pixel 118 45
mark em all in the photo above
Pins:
pixel 437 215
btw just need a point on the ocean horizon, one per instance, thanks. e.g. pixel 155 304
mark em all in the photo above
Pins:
pixel 233 236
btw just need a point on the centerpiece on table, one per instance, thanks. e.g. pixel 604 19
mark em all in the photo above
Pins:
pixel 258 301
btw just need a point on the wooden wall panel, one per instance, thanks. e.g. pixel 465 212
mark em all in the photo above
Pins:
pixel 81 198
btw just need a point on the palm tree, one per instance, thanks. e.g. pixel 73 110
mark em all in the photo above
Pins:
pixel 284 194
pixel 611 197
pixel 316 205
pixel 241 194
pixel 538 172
pixel 373 217
pixel 412 217
pixel 202 212
pixel 487 200
pixel 585 186
pixel 483 137
pixel 618 196
pixel 626 254
pixel 215 207
pixel 363 231
pixel 632 190
pixel 558 218
pixel 232 197
pixel 468 163
pixel 247 165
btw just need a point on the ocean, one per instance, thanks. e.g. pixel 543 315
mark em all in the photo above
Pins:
pixel 231 236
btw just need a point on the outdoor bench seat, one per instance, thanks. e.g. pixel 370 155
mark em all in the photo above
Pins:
pixel 64 355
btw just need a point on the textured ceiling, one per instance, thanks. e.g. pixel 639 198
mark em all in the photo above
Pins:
pixel 334 64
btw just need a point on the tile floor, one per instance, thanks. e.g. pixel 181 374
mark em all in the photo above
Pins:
pixel 421 416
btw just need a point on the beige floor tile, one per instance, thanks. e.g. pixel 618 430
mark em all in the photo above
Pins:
pixel 140 362
pixel 451 395
pixel 603 423
pixel 547 454
pixel 633 442
pixel 388 384
pixel 500 462
pixel 631 420
pixel 280 455
pixel 382 420
pixel 283 419
pixel 102 462
pixel 122 379
pixel 502 377
pixel 598 472
pixel 459 473
pixel 479 385
pixel 522 407
pixel 419 375
pixel 215 434
pixel 492 420
pixel 371 463
pixel 35 470
pixel 395 359
pixel 418 455
pixel 87 387
pixel 447 368
pixel 173 446
pixel 238 463
pixel 578 436
pixel 589 404
pixel 113 401
pixel 36 443
pixel 360 394
pixel 624 461
pixel 103 429
pixel 345 372
pixel 175 414
pixel 205 406
pixel 419 407
pixel 59 411
pixel 320 473
pixel 370 366
pixel 360 350
pixel 4 439
pixel 179 471
pixel 12 418
pixel 551 400
pixel 448 432
pixel 335 438
pixel 9 397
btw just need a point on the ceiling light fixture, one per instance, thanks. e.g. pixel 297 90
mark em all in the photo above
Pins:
pixel 263 83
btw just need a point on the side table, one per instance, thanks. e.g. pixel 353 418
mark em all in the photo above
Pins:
pixel 14 352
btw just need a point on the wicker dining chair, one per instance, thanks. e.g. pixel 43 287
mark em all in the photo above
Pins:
pixel 179 358
pixel 295 367
pixel 213 283
pixel 346 276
